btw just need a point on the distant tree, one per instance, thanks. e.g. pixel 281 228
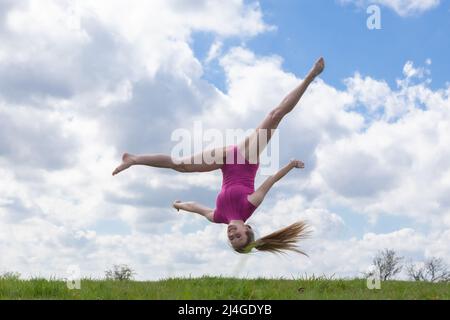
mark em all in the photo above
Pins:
pixel 386 264
pixel 433 270
pixel 10 275
pixel 120 272
pixel 415 272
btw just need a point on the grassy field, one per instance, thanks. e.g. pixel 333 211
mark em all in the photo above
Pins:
pixel 221 288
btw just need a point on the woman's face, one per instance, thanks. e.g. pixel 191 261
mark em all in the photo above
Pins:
pixel 237 234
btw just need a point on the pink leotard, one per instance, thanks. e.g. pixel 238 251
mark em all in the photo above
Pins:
pixel 238 182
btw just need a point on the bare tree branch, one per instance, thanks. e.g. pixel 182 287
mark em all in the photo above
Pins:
pixel 433 270
pixel 387 264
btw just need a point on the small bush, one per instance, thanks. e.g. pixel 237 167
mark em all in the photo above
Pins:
pixel 120 272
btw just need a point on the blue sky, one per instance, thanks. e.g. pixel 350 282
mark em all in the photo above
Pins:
pixel 307 29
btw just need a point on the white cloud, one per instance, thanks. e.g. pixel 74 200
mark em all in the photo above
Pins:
pixel 402 7
pixel 410 72
pixel 404 146
pixel 214 51
pixel 287 210
pixel 355 255
pixel 80 86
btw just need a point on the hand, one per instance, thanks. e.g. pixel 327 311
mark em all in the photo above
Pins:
pixel 297 164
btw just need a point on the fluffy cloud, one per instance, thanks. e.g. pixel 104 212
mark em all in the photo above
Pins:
pixel 80 86
pixel 398 163
pixel 402 7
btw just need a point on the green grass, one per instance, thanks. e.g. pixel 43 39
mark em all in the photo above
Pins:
pixel 221 288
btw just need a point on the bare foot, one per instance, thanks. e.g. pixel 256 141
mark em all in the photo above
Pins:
pixel 318 68
pixel 176 205
pixel 127 161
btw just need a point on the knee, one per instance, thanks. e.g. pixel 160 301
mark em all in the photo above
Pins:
pixel 180 167
pixel 277 114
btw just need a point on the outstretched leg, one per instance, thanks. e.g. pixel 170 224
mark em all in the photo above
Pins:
pixel 196 163
pixel 259 139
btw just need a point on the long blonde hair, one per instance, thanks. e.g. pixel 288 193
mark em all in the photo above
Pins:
pixel 279 241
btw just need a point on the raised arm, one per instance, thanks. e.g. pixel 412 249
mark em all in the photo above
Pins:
pixel 195 207
pixel 258 196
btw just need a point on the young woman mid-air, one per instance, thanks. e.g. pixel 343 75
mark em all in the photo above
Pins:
pixel 238 198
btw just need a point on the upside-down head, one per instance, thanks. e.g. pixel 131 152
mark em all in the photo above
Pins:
pixel 242 238
pixel 240 235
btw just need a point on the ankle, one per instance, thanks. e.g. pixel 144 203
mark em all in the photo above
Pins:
pixel 133 160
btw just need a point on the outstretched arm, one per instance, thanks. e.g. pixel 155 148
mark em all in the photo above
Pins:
pixel 195 207
pixel 258 196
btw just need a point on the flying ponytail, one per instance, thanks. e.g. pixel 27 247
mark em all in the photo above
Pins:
pixel 279 241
